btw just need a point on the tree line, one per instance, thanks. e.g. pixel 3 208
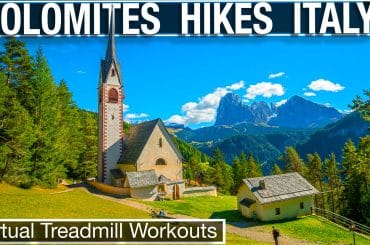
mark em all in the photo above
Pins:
pixel 44 136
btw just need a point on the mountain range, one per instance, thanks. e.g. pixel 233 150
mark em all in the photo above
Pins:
pixel 266 129
pixel 297 112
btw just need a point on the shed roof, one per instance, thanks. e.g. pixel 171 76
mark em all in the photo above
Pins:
pixel 142 178
pixel 117 173
pixel 280 187
pixel 137 138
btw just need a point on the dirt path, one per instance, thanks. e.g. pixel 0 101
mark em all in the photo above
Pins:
pixel 253 233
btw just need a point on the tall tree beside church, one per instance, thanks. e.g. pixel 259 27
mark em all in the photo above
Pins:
pixel 333 178
pixel 87 165
pixel 15 137
pixel 46 167
pixel 292 161
pixel 69 140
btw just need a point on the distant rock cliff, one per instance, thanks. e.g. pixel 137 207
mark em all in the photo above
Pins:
pixel 297 112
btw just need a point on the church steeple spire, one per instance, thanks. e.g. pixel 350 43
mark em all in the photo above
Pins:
pixel 111 47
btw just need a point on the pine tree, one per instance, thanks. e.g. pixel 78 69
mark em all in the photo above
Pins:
pixel 16 64
pixel 46 167
pixel 276 169
pixel 223 174
pixel 315 174
pixel 332 174
pixel 69 139
pixel 352 194
pixel 362 106
pixel 243 165
pixel 16 138
pixel 253 168
pixel 293 163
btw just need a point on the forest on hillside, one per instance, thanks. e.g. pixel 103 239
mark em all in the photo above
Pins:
pixel 45 137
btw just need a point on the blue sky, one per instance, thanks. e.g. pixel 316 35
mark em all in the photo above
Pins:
pixel 183 78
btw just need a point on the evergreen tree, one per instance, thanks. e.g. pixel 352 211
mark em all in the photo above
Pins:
pixel 16 138
pixel 332 174
pixel 253 168
pixel 276 169
pixel 315 175
pixel 16 64
pixel 69 143
pixel 223 174
pixel 292 161
pixel 46 167
pixel 362 106
pixel 352 196
pixel 87 164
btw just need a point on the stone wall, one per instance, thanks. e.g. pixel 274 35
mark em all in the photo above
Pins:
pixel 200 191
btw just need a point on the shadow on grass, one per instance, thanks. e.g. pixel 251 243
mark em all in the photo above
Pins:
pixel 93 190
pixel 235 218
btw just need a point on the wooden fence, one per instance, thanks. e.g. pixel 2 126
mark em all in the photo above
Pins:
pixel 343 221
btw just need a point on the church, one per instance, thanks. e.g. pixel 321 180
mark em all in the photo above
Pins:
pixel 144 161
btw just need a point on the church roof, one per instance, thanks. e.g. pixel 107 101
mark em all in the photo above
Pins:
pixel 279 187
pixel 142 178
pixel 110 55
pixel 137 138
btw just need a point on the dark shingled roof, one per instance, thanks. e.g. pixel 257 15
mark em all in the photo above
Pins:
pixel 280 187
pixel 117 173
pixel 247 202
pixel 142 178
pixel 137 138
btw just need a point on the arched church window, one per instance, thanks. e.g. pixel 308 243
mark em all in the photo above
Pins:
pixel 160 143
pixel 112 96
pixel 112 73
pixel 160 161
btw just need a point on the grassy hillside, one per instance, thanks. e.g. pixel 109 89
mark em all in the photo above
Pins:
pixel 312 228
pixel 77 203
pixel 60 203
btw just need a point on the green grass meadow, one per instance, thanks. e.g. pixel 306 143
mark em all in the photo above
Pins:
pixel 311 228
pixel 77 203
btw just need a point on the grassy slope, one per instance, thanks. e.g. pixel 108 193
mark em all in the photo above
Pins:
pixel 310 228
pixel 41 203
pixel 44 203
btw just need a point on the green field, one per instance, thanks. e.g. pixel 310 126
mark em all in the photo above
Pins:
pixel 56 203
pixel 311 228
pixel 65 203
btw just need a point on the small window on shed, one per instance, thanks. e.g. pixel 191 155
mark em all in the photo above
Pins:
pixel 112 96
pixel 112 73
pixel 160 143
pixel 160 161
pixel 277 211
pixel 301 205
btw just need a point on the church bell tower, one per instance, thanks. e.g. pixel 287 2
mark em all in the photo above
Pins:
pixel 110 109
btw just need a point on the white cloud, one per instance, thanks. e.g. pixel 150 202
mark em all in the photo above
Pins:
pixel 136 116
pixel 205 109
pixel 265 89
pixel 125 108
pixel 276 75
pixel 81 72
pixel 309 94
pixel 281 102
pixel 325 85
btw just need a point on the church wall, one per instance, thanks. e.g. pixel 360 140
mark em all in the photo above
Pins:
pixel 127 167
pixel 152 151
